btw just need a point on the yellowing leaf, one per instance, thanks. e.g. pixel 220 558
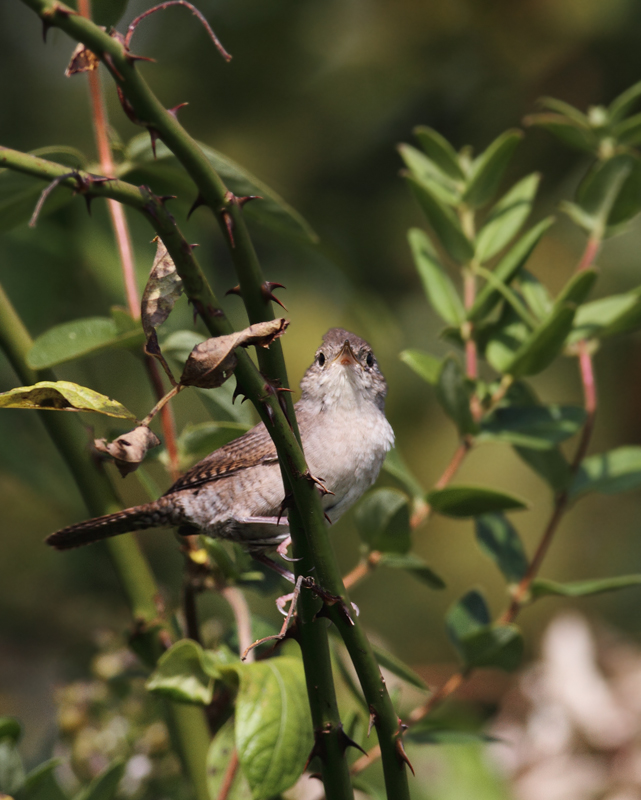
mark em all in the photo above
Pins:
pixel 63 396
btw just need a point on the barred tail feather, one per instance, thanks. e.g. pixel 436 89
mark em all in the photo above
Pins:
pixel 138 518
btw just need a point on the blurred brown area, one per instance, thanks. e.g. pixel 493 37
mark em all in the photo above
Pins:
pixel 314 102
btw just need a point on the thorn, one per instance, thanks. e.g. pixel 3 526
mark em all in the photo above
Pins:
pixel 318 748
pixel 153 133
pixel 45 29
pixel 88 199
pixel 346 741
pixel 132 58
pixel 234 290
pixel 288 502
pixel 174 111
pixel 126 105
pixel 229 224
pixel 319 482
pixel 110 63
pixel 242 200
pixel 316 775
pixel 199 201
pixel 373 719
pixel 326 515
pixel 238 392
pixel 267 292
pixel 400 752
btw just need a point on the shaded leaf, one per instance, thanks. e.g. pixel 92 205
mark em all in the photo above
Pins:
pixel 551 465
pixel 624 103
pixel 415 566
pixel 568 131
pixel 10 728
pixel 184 674
pixel 105 785
pixel 395 465
pixel 499 540
pixel 428 173
pixel 423 364
pixel 41 783
pixel 499 646
pixel 561 107
pixel 443 221
pixel 271 211
pixel 62 396
pixel 470 501
pixel 502 340
pixel 488 168
pixel 506 218
pixel 431 733
pixel 577 288
pixel 600 189
pixel 398 668
pixel 543 588
pixel 535 427
pixel 218 758
pixel 440 151
pixel 454 392
pixel 11 770
pixel 609 473
pixel 507 269
pixel 535 294
pixel 469 615
pixel 629 131
pixel 130 449
pixel 438 287
pixel 211 363
pixel 273 724
pixel 544 344
pixel 383 520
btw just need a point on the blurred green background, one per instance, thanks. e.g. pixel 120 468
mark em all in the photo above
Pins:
pixel 314 102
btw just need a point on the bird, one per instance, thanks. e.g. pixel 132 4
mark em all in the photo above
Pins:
pixel 236 493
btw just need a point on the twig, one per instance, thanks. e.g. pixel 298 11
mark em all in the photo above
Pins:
pixel 240 609
pixel 45 193
pixel 228 778
pixel 162 402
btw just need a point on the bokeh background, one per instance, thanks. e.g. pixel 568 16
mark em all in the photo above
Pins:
pixel 314 103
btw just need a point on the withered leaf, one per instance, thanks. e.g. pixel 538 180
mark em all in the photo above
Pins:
pixel 213 361
pixel 163 288
pixel 129 449
pixel 82 60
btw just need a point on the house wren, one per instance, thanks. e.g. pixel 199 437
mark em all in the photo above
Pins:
pixel 237 492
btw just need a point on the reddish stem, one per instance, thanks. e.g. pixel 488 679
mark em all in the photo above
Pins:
pixel 228 779
pixel 590 253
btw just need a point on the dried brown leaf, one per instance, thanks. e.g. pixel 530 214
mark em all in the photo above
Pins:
pixel 82 60
pixel 129 449
pixel 213 361
pixel 163 288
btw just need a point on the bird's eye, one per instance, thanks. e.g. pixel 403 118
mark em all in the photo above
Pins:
pixel 321 359
pixel 370 360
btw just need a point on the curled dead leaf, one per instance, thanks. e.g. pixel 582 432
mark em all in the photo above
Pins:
pixel 129 449
pixel 213 361
pixel 82 60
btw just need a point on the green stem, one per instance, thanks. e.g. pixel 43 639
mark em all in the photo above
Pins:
pixel 129 562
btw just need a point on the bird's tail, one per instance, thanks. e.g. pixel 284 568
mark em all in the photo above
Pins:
pixel 150 515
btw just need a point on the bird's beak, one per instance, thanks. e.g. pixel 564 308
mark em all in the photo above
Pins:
pixel 346 356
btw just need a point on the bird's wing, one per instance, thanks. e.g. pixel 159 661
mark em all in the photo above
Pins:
pixel 252 449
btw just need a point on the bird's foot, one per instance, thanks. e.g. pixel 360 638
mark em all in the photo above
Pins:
pixel 282 550
pixel 281 602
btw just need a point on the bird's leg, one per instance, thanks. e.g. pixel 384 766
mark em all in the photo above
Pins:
pixel 278 637
pixel 282 550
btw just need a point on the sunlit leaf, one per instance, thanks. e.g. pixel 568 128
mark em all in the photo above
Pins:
pixel 543 588
pixel 429 173
pixel 499 540
pixel 398 668
pixel 273 724
pixel 453 392
pixel 423 364
pixel 577 288
pixel 438 287
pixel 541 348
pixel 443 221
pixel 184 674
pixel 506 218
pixel 62 396
pixel 440 151
pixel 609 316
pixel 488 168
pixel 12 774
pixel 383 520
pixel 415 565
pixel 536 427
pixel 535 294
pixel 609 473
pixel 470 501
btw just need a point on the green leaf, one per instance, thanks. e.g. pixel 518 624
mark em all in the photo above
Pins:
pixel 574 135
pixel 398 668
pixel 218 758
pixel 197 441
pixel 609 473
pixel 551 465
pixel 184 674
pixel 470 501
pixel 431 733
pixel 80 338
pixel 453 392
pixel 561 107
pixel 600 189
pixel 507 269
pixel 437 148
pixel 628 132
pixel 424 365
pixel 11 770
pixel 10 729
pixel 415 566
pixel 443 221
pixel 624 103
pixel 273 725
pixel 395 466
pixel 577 288
pixel 499 646
pixel 535 427
pixel 544 588
pixel 383 520
pixel 488 168
pixel 271 211
pixel 438 287
pixel 506 218
pixel 541 348
pixel 41 783
pixel 428 173
pixel 610 316
pixel 104 786
pixel 62 396
pixel 499 540
pixel 469 615
pixel 501 340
